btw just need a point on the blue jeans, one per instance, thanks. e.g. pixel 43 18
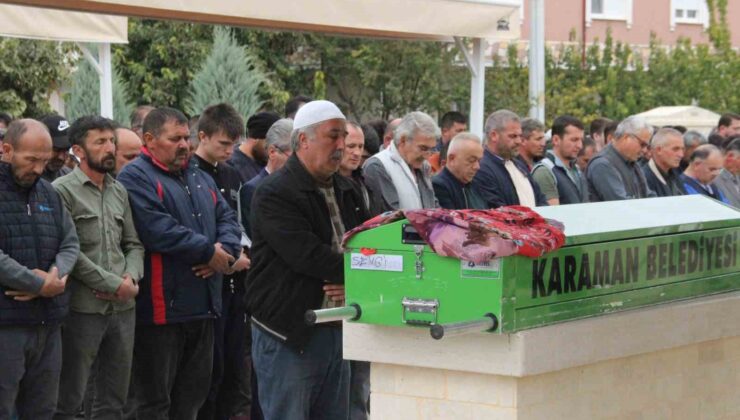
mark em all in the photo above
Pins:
pixel 313 384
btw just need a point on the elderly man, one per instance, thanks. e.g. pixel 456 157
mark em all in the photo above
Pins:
pixel 453 185
pixel 613 174
pixel 38 248
pixel 400 176
pixel 277 143
pixel 532 149
pixel 661 171
pixel 557 174
pixel 250 156
pixel 705 165
pixel 691 140
pixel 128 147
pixel 191 237
pixel 501 181
pixel 729 179
pixel 104 281
pixel 299 215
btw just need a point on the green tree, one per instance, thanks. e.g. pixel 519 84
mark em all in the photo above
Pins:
pixel 84 95
pixel 29 71
pixel 160 60
pixel 231 74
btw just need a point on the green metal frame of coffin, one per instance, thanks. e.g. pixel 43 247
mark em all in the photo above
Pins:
pixel 618 256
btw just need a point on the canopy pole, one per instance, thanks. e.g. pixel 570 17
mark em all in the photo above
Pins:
pixel 537 60
pixel 106 80
pixel 477 86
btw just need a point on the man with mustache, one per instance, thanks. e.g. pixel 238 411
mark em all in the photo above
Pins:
pixel 58 127
pixel 104 279
pixel 191 237
pixel 501 180
pixel 661 171
pixel 532 149
pixel 298 217
pixel 38 248
pixel 250 156
pixel 400 175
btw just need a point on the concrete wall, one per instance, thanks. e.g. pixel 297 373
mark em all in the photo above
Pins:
pixel 698 381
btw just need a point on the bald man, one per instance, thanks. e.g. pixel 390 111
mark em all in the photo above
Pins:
pixel 38 248
pixel 452 186
pixel 705 164
pixel 128 147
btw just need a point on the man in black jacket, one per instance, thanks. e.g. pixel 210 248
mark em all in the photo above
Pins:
pixel 661 171
pixel 502 181
pixel 298 217
pixel 453 184
pixel 38 248
pixel 219 128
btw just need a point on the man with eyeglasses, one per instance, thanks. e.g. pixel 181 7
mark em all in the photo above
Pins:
pixel 399 177
pixel 503 180
pixel 613 174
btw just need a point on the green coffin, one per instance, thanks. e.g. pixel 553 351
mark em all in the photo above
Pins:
pixel 618 256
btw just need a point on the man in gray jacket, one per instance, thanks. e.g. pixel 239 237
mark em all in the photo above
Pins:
pixel 38 248
pixel 729 179
pixel 400 176
pixel 613 174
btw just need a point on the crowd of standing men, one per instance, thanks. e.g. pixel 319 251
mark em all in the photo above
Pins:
pixel 164 271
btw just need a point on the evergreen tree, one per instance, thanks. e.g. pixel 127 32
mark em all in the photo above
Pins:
pixel 231 74
pixel 84 97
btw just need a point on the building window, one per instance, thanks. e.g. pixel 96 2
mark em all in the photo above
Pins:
pixel 609 10
pixel 692 12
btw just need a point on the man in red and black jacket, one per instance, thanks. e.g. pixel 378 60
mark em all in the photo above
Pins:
pixel 191 237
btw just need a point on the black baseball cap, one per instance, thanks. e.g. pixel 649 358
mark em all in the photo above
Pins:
pixel 59 129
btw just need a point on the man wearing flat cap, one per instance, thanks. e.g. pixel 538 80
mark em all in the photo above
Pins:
pixel 298 217
pixel 250 156
pixel 58 128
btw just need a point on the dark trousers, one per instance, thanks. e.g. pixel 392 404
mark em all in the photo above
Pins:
pixel 172 369
pixel 312 384
pixel 359 390
pixel 30 363
pixel 110 339
pixel 230 391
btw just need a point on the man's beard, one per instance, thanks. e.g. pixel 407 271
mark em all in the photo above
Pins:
pixel 105 165
pixel 259 153
pixel 54 165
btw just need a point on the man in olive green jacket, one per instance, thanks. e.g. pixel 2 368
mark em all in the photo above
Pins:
pixel 104 280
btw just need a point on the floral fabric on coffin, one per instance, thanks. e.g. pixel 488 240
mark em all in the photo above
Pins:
pixel 478 235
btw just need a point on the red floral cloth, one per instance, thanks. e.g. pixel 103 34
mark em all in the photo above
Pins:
pixel 478 235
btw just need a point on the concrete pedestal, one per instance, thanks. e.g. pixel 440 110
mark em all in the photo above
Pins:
pixel 675 361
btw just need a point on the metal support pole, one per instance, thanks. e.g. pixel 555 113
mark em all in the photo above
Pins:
pixel 106 80
pixel 489 322
pixel 537 60
pixel 318 316
pixel 478 86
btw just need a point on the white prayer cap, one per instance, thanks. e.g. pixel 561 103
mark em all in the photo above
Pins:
pixel 315 112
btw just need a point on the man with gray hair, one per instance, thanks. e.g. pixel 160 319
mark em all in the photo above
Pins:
pixel 453 184
pixel 661 171
pixel 613 174
pixel 501 181
pixel 691 140
pixel 277 145
pixel 298 217
pixel 400 176
pixel 532 149
pixel 705 165
pixel 729 179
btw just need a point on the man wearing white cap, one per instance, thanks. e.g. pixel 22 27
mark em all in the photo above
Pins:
pixel 298 217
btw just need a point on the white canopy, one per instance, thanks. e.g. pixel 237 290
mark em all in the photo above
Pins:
pixel 691 117
pixel 57 25
pixel 418 19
